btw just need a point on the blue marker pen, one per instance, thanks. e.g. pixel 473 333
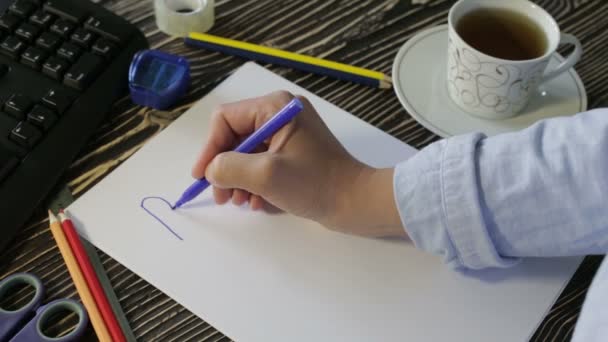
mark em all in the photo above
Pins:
pixel 280 119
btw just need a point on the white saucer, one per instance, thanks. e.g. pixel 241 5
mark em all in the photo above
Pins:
pixel 419 81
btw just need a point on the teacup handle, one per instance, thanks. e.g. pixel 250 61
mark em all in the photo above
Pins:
pixel 569 62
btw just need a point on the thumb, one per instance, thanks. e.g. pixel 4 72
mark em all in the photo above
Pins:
pixel 249 172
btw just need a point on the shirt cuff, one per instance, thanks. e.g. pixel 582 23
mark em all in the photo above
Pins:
pixel 440 204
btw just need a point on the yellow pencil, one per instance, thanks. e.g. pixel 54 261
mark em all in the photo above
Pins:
pixel 81 286
pixel 290 59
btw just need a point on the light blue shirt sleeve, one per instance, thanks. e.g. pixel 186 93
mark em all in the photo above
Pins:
pixel 488 201
pixel 485 202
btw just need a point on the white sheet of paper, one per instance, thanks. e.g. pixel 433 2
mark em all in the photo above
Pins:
pixel 261 277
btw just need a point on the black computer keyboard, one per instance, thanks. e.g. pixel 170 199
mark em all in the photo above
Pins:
pixel 62 65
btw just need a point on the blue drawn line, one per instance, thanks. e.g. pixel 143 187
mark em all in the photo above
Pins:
pixel 156 217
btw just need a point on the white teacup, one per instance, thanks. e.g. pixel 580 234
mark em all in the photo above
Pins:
pixel 496 88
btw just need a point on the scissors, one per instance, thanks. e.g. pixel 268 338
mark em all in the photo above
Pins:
pixel 26 323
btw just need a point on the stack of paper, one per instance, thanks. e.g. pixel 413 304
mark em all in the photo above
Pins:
pixel 262 277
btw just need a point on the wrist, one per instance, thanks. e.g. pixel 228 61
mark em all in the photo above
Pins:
pixel 366 203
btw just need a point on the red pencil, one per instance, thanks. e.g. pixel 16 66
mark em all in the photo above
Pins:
pixel 91 278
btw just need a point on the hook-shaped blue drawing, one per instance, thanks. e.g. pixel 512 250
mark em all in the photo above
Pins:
pixel 142 205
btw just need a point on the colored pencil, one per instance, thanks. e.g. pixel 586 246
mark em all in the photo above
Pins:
pixel 109 290
pixel 81 285
pixel 91 278
pixel 290 59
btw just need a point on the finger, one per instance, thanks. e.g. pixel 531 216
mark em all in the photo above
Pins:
pixel 245 116
pixel 256 202
pixel 232 120
pixel 250 172
pixel 279 139
pixel 221 196
pixel 221 138
pixel 239 197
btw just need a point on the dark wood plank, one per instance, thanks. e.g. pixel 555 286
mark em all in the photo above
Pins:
pixel 365 33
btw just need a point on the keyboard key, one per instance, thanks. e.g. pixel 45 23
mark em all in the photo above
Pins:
pixel 41 117
pixel 55 67
pixel 33 57
pixel 57 100
pixel 104 48
pixel 7 123
pixel 83 37
pixel 48 41
pixel 62 27
pixel 84 71
pixel 3 69
pixel 22 8
pixel 9 22
pixel 25 134
pixel 69 51
pixel 105 29
pixel 42 19
pixel 12 47
pixel 8 162
pixel 17 105
pixel 27 32
pixel 66 9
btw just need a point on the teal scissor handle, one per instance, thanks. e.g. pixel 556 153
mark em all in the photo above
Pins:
pixel 32 331
pixel 26 323
pixel 12 321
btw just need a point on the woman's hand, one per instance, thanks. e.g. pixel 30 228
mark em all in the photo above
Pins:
pixel 302 169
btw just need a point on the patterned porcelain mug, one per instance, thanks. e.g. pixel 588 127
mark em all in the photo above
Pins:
pixel 498 52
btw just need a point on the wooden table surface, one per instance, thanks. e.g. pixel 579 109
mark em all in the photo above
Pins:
pixel 365 33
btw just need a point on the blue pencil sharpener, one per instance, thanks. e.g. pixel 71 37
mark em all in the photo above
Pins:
pixel 158 79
